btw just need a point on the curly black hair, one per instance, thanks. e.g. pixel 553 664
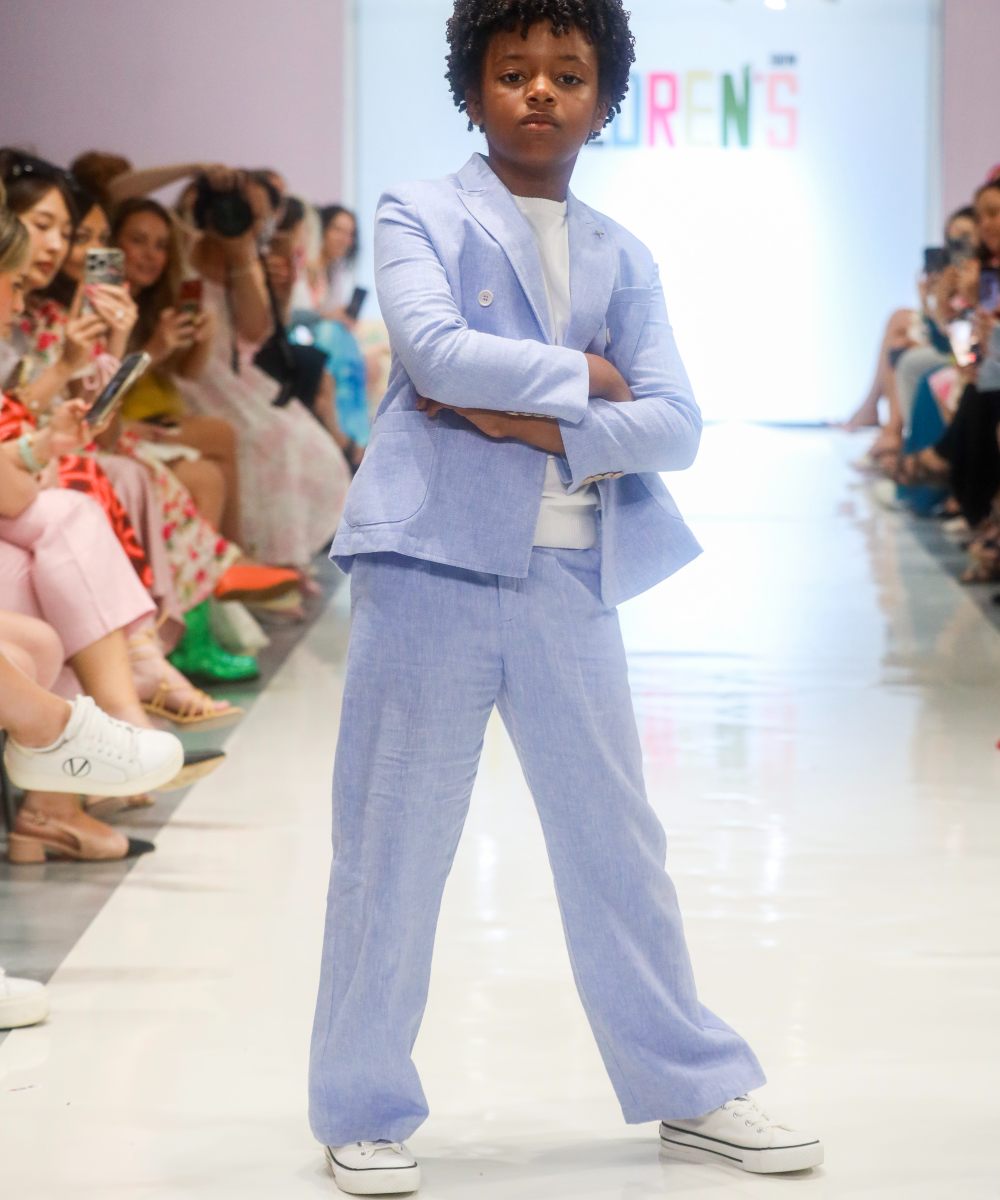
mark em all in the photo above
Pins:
pixel 603 22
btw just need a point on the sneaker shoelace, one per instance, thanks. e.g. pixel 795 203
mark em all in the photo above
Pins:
pixel 747 1109
pixel 369 1148
pixel 110 738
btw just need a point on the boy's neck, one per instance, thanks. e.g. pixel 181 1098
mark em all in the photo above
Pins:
pixel 544 182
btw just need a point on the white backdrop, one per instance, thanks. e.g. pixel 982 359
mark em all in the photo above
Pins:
pixel 776 162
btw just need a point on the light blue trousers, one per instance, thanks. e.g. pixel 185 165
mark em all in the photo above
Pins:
pixel 432 650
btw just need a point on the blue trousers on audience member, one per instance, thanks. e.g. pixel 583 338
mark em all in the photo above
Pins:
pixel 433 649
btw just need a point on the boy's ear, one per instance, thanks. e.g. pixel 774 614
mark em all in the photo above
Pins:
pixel 474 105
pixel 601 115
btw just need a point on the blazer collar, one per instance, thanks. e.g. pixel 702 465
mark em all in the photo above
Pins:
pixel 593 262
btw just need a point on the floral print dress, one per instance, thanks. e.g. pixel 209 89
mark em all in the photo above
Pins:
pixel 197 555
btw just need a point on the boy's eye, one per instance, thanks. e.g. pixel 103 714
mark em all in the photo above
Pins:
pixel 511 77
pixel 570 79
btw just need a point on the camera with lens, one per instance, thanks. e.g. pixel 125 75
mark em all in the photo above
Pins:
pixel 225 212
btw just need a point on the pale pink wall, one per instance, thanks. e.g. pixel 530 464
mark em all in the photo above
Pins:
pixel 971 118
pixel 249 82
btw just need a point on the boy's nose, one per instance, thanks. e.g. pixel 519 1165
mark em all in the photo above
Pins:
pixel 541 92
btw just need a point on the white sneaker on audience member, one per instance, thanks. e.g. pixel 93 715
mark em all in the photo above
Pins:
pixel 96 755
pixel 373 1168
pixel 741 1133
pixel 22 1002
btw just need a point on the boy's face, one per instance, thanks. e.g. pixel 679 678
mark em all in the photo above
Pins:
pixel 539 99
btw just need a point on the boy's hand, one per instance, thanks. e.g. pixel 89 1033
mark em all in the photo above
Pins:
pixel 606 381
pixel 541 432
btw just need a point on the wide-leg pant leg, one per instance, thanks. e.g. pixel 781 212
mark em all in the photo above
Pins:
pixel 422 677
pixel 567 706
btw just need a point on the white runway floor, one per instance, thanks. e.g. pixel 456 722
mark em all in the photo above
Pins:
pixel 820 707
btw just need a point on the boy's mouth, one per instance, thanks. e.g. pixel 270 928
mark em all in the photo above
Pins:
pixel 536 120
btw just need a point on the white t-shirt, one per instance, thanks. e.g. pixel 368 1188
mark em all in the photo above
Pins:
pixel 564 521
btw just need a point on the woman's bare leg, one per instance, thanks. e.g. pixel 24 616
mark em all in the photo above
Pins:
pixel 104 670
pixel 207 485
pixel 896 336
pixel 216 441
pixel 326 410
pixel 31 715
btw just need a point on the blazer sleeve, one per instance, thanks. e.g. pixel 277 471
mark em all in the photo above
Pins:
pixel 657 431
pixel 445 360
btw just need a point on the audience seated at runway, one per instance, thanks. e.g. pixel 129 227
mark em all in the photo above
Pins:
pixel 210 452
pixel 940 370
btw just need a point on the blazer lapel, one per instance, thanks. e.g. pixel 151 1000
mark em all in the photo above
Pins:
pixel 592 274
pixel 493 207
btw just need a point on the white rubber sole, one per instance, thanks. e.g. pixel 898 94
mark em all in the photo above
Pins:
pixel 19 1011
pixel 679 1143
pixel 393 1181
pixel 27 776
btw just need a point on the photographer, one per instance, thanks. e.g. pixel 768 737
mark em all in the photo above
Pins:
pixel 284 455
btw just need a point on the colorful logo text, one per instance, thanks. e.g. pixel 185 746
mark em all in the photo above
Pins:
pixel 711 109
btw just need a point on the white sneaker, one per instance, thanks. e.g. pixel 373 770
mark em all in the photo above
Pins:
pixel 97 755
pixel 373 1168
pixel 741 1133
pixel 22 1002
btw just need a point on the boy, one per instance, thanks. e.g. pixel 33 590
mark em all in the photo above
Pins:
pixel 509 500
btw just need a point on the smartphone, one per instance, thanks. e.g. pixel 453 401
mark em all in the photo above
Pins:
pixel 133 365
pixel 989 289
pixel 353 309
pixel 189 297
pixel 935 259
pixel 103 265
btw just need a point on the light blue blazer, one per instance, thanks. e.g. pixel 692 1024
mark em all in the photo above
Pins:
pixel 461 289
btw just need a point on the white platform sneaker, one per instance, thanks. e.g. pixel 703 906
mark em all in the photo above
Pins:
pixel 373 1168
pixel 98 756
pixel 741 1133
pixel 22 1002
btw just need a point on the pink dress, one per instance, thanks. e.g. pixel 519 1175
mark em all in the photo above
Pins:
pixel 293 476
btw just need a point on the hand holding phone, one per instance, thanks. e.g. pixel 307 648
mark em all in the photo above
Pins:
pixel 68 430
pixel 190 296
pixel 83 332
pixel 175 330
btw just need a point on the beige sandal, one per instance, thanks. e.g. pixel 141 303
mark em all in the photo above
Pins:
pixel 199 710
pixel 167 694
pixel 37 836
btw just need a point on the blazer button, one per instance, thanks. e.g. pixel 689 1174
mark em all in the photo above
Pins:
pixel 485 298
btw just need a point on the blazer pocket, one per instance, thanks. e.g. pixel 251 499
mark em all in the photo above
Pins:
pixel 627 311
pixel 395 474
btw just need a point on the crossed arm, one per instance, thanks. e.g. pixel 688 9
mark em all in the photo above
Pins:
pixel 544 433
pixel 567 402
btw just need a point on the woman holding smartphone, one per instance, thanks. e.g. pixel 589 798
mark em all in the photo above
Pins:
pixel 182 558
pixel 176 330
